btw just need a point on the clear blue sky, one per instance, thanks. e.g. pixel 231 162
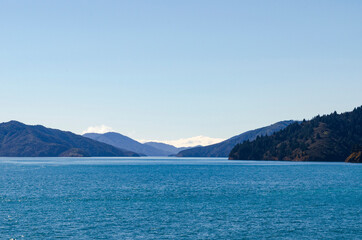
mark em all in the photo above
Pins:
pixel 172 69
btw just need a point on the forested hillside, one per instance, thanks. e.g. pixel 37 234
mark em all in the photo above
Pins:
pixel 330 137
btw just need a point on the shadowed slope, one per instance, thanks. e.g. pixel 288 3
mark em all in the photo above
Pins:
pixel 328 138
pixel 120 141
pixel 20 140
pixel 223 149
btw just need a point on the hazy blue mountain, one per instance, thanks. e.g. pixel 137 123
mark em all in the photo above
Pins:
pixel 223 149
pixel 120 141
pixel 20 140
pixel 170 149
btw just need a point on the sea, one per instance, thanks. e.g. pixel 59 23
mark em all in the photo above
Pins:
pixel 178 198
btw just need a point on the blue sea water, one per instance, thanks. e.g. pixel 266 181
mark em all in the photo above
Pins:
pixel 171 198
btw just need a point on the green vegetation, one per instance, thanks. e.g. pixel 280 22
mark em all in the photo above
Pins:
pixel 324 138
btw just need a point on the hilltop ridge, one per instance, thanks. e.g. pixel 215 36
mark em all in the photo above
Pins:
pixel 20 140
pixel 324 138
pixel 223 148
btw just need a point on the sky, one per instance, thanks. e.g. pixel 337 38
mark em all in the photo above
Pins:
pixel 168 70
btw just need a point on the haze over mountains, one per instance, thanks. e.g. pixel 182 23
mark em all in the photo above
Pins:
pixel 20 140
pixel 120 141
pixel 161 149
pixel 189 142
pixel 223 149
pixel 166 147
pixel 334 137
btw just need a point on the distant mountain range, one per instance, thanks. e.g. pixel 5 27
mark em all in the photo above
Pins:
pixel 223 149
pixel 120 141
pixel 20 140
pixel 171 150
pixel 333 138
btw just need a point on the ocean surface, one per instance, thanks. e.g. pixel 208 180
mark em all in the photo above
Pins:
pixel 172 198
